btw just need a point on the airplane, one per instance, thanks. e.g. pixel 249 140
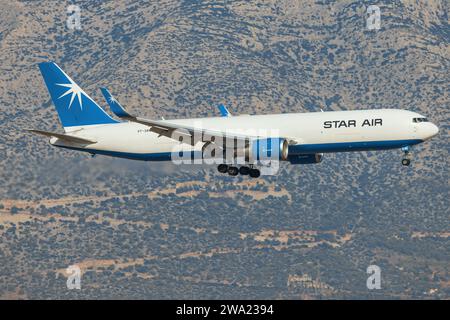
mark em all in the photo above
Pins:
pixel 295 138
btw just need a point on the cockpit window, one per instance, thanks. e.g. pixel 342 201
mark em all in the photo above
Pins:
pixel 416 120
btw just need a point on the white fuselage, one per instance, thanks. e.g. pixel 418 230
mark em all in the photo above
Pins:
pixel 315 132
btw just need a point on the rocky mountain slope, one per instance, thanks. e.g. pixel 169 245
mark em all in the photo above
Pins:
pixel 152 230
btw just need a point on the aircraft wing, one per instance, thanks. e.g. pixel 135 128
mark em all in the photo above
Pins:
pixel 120 112
pixel 167 128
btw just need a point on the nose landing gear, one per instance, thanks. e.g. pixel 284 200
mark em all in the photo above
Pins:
pixel 406 161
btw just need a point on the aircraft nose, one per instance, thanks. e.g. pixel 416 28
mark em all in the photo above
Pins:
pixel 434 130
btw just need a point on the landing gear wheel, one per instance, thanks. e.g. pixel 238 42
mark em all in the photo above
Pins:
pixel 244 170
pixel 406 161
pixel 222 168
pixel 254 173
pixel 233 171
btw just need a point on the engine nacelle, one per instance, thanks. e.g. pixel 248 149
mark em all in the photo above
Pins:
pixel 306 158
pixel 267 149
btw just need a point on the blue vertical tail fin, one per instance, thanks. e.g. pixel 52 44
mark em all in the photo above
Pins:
pixel 74 106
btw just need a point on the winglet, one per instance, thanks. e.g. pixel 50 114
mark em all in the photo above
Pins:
pixel 115 106
pixel 224 111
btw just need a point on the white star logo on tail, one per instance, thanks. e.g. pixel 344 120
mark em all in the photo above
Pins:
pixel 112 99
pixel 74 89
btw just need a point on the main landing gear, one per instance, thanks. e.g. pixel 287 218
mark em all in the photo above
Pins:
pixel 406 161
pixel 243 170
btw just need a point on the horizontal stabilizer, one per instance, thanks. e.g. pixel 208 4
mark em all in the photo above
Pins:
pixel 65 137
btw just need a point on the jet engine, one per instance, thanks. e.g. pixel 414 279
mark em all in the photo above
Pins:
pixel 267 149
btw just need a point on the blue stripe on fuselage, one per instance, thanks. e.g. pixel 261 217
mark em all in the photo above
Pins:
pixel 160 156
pixel 351 146
pixel 294 149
